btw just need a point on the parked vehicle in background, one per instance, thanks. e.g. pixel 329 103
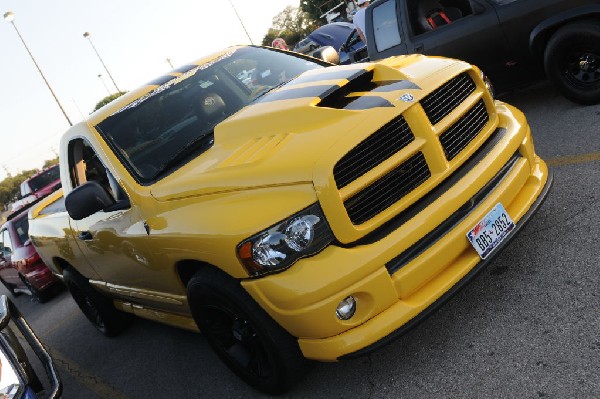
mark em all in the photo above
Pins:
pixel 21 268
pixel 317 213
pixel 353 50
pixel 334 34
pixel 42 183
pixel 515 42
pixel 18 358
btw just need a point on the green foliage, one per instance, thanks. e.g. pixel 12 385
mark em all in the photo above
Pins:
pixel 315 8
pixel 9 187
pixel 292 25
pixel 50 162
pixel 107 99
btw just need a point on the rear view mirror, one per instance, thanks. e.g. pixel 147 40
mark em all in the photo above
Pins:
pixel 327 54
pixel 87 199
pixel 18 377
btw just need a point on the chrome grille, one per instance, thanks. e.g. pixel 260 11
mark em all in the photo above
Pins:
pixel 372 151
pixel 447 97
pixel 460 134
pixel 387 190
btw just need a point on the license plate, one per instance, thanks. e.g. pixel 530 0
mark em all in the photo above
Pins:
pixel 490 231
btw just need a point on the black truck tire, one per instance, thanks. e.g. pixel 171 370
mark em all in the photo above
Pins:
pixel 98 309
pixel 572 61
pixel 37 295
pixel 243 335
pixel 10 287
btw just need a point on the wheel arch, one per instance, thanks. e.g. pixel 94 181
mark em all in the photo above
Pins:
pixel 186 269
pixel 542 33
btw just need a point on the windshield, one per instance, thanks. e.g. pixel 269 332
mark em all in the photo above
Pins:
pixel 44 179
pixel 161 130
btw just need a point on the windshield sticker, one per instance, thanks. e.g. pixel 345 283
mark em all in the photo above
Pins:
pixel 172 82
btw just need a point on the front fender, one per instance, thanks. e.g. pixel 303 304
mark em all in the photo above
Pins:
pixel 541 34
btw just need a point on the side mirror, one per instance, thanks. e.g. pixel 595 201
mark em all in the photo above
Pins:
pixel 19 376
pixel 327 54
pixel 87 199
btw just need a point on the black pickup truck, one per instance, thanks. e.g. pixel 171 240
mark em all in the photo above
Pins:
pixel 515 42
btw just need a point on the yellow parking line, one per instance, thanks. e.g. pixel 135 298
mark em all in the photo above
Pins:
pixel 92 382
pixel 574 159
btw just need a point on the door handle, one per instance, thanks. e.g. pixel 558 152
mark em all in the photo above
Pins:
pixel 85 235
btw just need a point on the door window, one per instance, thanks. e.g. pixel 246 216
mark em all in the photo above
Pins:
pixel 385 26
pixel 86 166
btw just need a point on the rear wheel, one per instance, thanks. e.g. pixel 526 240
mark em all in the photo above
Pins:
pixel 244 336
pixel 40 296
pixel 572 62
pixel 10 287
pixel 99 309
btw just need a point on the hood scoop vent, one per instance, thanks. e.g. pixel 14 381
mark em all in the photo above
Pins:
pixel 348 97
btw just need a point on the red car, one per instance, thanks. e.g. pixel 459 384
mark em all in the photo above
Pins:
pixel 21 268
pixel 42 183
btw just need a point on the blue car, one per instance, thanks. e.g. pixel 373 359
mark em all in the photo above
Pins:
pixel 341 36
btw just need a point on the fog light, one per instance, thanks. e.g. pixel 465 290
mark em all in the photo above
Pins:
pixel 346 308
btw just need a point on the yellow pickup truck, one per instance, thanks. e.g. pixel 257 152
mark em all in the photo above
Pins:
pixel 311 211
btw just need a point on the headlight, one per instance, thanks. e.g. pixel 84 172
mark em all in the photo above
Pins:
pixel 280 246
pixel 488 83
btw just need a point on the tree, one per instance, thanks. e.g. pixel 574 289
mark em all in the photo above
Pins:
pixel 107 99
pixel 9 187
pixel 50 162
pixel 316 8
pixel 291 24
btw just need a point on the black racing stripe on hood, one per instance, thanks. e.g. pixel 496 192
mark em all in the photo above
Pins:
pixel 162 80
pixel 321 92
pixel 366 102
pixel 394 85
pixel 348 74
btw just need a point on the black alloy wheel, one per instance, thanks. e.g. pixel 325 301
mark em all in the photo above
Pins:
pixel 235 337
pixel 97 308
pixel 244 336
pixel 572 61
pixel 582 68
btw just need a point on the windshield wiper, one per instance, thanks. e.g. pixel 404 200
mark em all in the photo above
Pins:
pixel 270 89
pixel 203 141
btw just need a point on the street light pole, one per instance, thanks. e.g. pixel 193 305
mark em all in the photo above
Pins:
pixel 10 17
pixel 87 35
pixel 242 23
pixel 104 83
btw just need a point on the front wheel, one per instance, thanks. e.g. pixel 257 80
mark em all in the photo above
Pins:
pixel 98 309
pixel 244 336
pixel 572 62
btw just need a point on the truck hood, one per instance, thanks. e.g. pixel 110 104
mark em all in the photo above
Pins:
pixel 290 135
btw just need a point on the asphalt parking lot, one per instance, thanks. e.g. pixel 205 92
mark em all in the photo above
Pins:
pixel 528 326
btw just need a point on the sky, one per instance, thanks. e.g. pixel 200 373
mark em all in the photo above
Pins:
pixel 134 39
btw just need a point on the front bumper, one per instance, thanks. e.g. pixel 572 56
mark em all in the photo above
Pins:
pixel 407 273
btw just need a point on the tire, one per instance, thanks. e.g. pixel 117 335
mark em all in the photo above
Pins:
pixel 37 295
pixel 243 335
pixel 10 288
pixel 572 62
pixel 98 309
